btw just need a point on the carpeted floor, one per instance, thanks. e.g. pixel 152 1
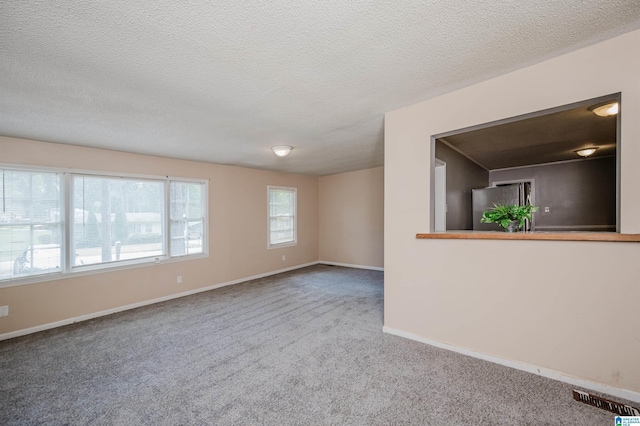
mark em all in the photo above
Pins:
pixel 300 348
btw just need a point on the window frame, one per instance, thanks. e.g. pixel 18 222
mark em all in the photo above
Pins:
pixel 60 223
pixel 72 223
pixel 293 242
pixel 66 206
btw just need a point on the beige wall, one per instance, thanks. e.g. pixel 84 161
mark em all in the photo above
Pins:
pixel 237 235
pixel 352 218
pixel 571 307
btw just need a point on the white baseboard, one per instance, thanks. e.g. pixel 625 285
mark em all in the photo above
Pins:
pixel 349 265
pixel 92 315
pixel 540 371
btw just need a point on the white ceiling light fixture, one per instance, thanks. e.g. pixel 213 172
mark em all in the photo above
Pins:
pixel 585 152
pixel 605 110
pixel 281 150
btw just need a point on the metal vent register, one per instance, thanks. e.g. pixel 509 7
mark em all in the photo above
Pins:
pixel 605 404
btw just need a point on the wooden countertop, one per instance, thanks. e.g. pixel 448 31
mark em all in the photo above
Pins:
pixel 545 236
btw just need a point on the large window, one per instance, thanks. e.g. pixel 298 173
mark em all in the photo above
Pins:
pixel 282 216
pixel 60 222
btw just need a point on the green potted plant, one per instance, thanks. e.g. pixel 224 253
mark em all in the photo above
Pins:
pixel 510 217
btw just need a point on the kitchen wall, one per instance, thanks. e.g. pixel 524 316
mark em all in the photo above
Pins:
pixel 463 175
pixel 237 235
pixel 560 308
pixel 351 218
pixel 581 195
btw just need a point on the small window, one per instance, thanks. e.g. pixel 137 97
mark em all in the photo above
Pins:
pixel 282 216
pixel 188 205
pixel 109 214
pixel 30 223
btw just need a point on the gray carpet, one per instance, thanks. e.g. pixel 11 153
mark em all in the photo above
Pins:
pixel 299 348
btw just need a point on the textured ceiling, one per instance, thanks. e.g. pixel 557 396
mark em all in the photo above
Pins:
pixel 224 81
pixel 543 139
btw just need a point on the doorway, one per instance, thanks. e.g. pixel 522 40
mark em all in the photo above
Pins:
pixel 440 196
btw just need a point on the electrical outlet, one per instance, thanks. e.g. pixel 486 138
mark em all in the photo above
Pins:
pixel 4 311
pixel 284 257
pixel 546 209
pixel 179 279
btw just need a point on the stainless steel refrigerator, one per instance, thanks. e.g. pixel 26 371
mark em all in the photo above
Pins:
pixel 483 199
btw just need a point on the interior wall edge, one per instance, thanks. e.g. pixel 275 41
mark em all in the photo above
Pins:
pixel 351 217
pixel 349 265
pixel 529 368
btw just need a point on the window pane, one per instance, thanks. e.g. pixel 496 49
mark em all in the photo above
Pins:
pixel 279 237
pixel 30 228
pixel 187 218
pixel 116 219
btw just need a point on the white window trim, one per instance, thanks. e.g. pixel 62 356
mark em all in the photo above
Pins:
pixel 295 217
pixel 70 271
pixel 205 221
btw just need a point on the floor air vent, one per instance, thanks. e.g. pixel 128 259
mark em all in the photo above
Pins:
pixel 605 404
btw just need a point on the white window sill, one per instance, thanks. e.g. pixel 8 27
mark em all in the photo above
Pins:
pixel 282 245
pixel 99 269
